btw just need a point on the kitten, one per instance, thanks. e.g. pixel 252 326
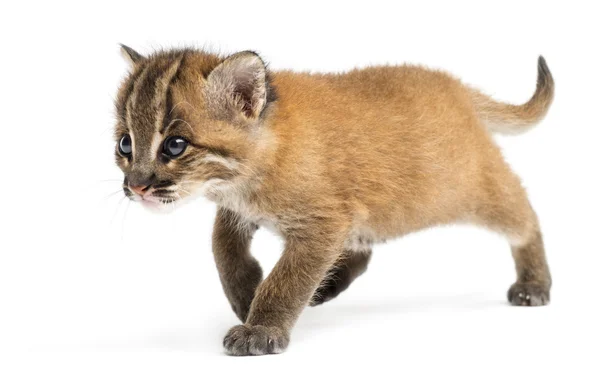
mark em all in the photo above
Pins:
pixel 332 162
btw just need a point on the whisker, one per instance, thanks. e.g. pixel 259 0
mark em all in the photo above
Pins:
pixel 104 131
pixel 183 121
pixel 112 194
pixel 94 185
pixel 124 218
pixel 182 102
pixel 116 211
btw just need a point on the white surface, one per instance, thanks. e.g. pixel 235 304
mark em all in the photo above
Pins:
pixel 89 287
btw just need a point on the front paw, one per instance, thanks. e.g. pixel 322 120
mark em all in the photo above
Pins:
pixel 528 294
pixel 242 340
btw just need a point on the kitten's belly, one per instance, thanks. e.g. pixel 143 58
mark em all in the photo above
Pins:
pixel 360 238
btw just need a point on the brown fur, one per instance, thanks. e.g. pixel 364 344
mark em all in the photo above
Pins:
pixel 334 163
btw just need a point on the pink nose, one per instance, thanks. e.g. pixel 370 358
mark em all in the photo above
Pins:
pixel 139 189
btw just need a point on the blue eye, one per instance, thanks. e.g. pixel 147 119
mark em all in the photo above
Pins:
pixel 174 146
pixel 125 145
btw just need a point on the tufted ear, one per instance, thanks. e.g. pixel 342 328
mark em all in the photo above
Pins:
pixel 131 55
pixel 239 85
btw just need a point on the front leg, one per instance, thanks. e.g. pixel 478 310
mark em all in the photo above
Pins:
pixel 239 272
pixel 285 292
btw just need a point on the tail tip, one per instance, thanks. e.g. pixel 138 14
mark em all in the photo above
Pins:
pixel 545 80
pixel 544 75
pixel 542 61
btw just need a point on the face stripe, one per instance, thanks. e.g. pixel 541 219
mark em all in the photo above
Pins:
pixel 146 106
pixel 169 95
pixel 228 163
pixel 132 97
pixel 122 105
pixel 161 91
pixel 214 150
pixel 156 144
pixel 161 103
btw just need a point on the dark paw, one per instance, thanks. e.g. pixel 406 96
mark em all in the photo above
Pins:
pixel 339 278
pixel 528 294
pixel 324 294
pixel 243 340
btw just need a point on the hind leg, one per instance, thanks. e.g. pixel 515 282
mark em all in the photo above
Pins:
pixel 532 287
pixel 506 209
pixel 350 266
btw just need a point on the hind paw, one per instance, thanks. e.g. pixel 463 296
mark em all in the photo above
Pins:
pixel 528 294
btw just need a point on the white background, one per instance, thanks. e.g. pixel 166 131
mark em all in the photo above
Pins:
pixel 90 285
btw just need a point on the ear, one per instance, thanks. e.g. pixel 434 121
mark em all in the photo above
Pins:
pixel 131 55
pixel 239 84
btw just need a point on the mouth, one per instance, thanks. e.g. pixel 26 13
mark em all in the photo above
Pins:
pixel 155 198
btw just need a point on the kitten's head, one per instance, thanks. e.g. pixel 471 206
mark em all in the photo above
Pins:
pixel 190 122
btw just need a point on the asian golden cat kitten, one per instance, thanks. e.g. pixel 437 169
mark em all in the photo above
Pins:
pixel 334 163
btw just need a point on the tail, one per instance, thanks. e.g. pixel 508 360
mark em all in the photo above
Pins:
pixel 512 119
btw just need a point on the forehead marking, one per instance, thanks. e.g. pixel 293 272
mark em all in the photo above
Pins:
pixel 146 106
pixel 122 106
pixel 161 103
pixel 133 96
pixel 161 91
